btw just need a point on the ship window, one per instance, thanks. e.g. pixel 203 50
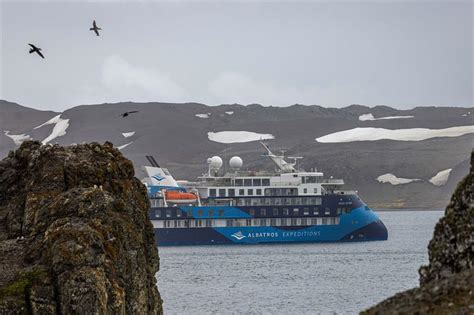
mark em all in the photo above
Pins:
pixel 294 222
pixel 273 222
pixel 263 212
pixel 221 213
pixel 252 212
pixel 178 213
pixel 296 211
pixel 157 213
pixel 248 222
pixel 229 223
pixel 168 213
pixel 247 182
pixel 222 192
pixel 241 192
pixel 257 182
pixel 210 213
pixel 200 213
pixel 275 211
pixel 315 190
pixel 283 221
pixel 250 192
pixel 231 192
pixel 304 221
pixel 286 211
pixel 305 190
pixel 208 223
pixel 212 192
pixel 316 211
pixel 239 182
pixel 327 211
pixel 259 192
pixel 262 222
pixel 305 211
pixel 248 201
pixel 314 221
pixel 325 221
pixel 265 182
pixel 338 211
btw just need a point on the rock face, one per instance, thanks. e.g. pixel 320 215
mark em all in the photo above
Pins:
pixel 447 283
pixel 75 237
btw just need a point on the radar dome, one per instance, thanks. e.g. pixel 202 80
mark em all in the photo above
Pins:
pixel 236 162
pixel 215 162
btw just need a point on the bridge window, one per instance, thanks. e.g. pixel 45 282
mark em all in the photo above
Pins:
pixel 257 182
pixel 265 182
pixel 239 182
pixel 247 182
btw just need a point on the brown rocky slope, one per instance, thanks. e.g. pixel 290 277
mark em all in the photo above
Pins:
pixel 74 233
pixel 447 283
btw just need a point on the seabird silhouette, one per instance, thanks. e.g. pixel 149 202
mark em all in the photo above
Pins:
pixel 95 28
pixel 127 113
pixel 36 50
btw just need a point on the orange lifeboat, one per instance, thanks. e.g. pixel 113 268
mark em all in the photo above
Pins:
pixel 180 197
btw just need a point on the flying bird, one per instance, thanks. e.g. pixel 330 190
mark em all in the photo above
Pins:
pixel 128 113
pixel 36 50
pixel 95 28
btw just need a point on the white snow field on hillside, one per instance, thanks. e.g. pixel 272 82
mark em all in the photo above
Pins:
pixel 124 146
pixel 128 134
pixel 238 136
pixel 230 113
pixel 441 178
pixel 17 139
pixel 394 180
pixel 411 134
pixel 59 129
pixel 369 116
pixel 202 115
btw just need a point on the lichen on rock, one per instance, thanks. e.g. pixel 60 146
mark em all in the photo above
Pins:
pixel 75 237
pixel 447 283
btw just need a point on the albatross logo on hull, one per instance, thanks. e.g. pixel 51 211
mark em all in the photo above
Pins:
pixel 238 235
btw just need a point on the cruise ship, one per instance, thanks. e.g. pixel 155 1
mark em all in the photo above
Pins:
pixel 236 206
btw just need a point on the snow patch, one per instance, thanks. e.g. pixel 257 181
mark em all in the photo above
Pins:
pixel 17 139
pixel 238 136
pixel 203 115
pixel 128 134
pixel 441 178
pixel 230 113
pixel 394 180
pixel 124 146
pixel 369 116
pixel 60 126
pixel 411 134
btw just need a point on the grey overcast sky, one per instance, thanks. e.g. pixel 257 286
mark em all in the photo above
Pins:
pixel 402 54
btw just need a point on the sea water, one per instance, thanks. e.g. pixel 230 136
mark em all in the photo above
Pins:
pixel 341 278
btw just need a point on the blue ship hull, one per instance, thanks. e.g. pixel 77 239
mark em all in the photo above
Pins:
pixel 361 224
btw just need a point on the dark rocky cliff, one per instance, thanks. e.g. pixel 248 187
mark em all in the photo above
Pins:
pixel 74 233
pixel 447 283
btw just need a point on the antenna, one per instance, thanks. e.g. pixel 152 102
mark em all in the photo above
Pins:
pixel 152 160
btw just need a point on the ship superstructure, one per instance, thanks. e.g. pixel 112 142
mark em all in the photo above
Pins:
pixel 237 206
